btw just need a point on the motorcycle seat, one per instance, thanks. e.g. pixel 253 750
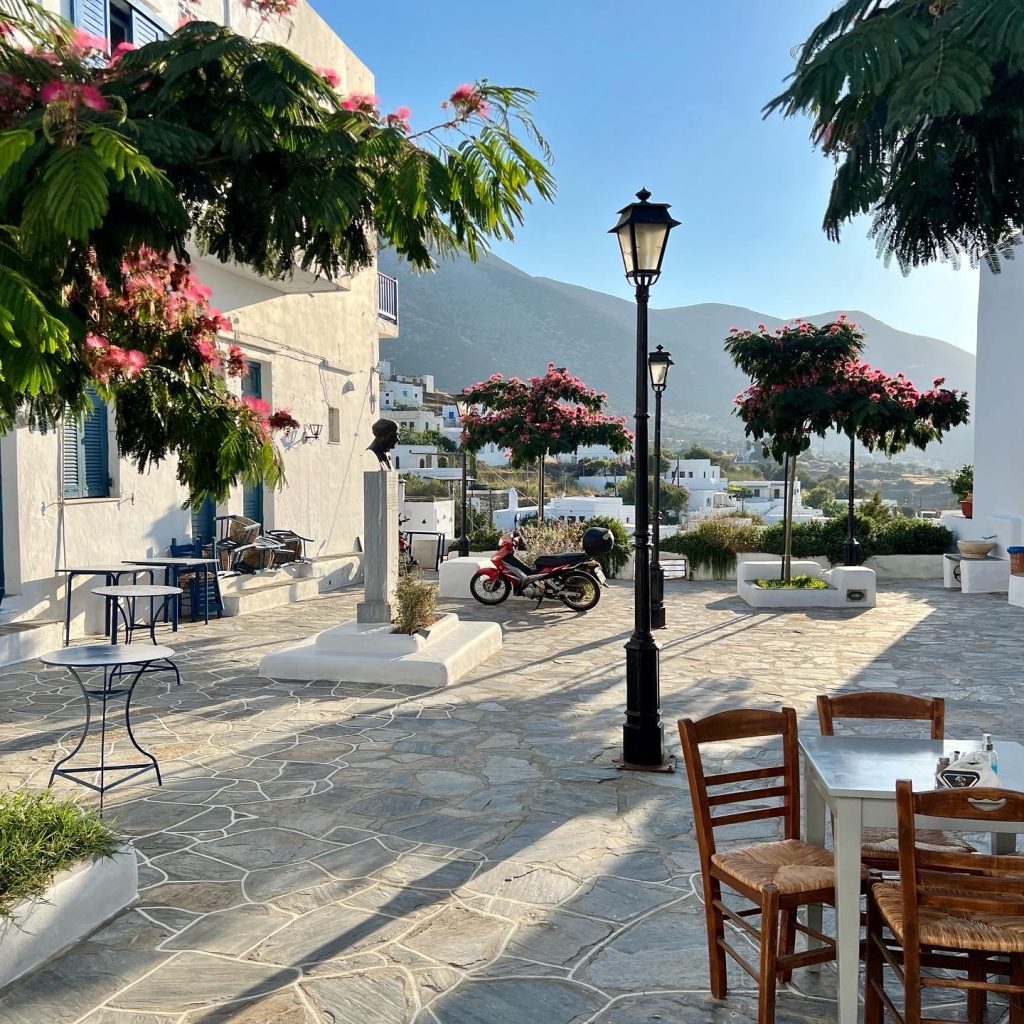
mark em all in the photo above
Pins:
pixel 568 558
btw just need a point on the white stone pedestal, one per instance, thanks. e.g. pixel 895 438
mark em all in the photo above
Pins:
pixel 361 652
pixel 1016 593
pixel 454 574
pixel 380 542
pixel 976 575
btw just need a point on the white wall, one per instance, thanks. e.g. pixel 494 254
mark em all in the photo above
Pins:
pixel 996 408
pixel 317 342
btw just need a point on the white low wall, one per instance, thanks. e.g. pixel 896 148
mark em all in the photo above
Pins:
pixel 76 903
pixel 848 587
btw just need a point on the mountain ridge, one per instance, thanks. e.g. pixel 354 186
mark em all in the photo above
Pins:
pixel 468 320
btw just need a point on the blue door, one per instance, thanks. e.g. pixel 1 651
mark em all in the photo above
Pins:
pixel 252 497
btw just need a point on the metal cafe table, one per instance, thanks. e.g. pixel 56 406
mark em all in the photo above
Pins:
pixel 112 660
pixel 129 594
pixel 174 567
pixel 111 573
pixel 855 778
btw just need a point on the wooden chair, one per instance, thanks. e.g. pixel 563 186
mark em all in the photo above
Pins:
pixel 879 849
pixel 777 877
pixel 963 913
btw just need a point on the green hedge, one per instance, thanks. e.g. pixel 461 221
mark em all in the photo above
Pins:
pixel 715 543
pixel 612 562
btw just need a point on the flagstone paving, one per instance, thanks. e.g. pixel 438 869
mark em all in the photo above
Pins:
pixel 325 852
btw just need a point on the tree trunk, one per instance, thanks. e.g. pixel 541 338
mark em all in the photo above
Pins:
pixel 787 544
pixel 540 489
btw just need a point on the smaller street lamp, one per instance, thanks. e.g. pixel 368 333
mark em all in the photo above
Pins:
pixel 658 363
pixel 463 406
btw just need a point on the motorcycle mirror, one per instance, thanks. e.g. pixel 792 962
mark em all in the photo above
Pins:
pixel 516 519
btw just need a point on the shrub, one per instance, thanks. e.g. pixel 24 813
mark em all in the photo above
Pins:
pixel 551 537
pixel 615 559
pixel 833 534
pixel 714 545
pixel 41 835
pixel 912 537
pixel 415 604
pixel 486 539
pixel 808 541
pixel 796 583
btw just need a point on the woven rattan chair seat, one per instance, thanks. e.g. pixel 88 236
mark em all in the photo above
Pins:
pixel 790 865
pixel 977 931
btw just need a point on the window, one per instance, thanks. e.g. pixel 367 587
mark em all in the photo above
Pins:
pixel 115 20
pixel 86 465
pixel 691 474
pixel 333 425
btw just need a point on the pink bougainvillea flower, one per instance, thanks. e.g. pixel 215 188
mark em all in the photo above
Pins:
pixel 119 51
pixel 92 97
pixel 85 42
pixel 95 341
pixel 463 92
pixel 208 352
pixel 257 405
pixel 53 91
pixel 134 362
pixel 365 102
pixel 330 76
pixel 238 365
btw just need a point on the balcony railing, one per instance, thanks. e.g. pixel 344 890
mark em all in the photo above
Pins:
pixel 387 298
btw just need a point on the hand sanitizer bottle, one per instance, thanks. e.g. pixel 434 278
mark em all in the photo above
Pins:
pixel 990 751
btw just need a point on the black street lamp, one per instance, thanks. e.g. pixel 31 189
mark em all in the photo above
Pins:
pixel 658 363
pixel 463 407
pixel 851 549
pixel 643 231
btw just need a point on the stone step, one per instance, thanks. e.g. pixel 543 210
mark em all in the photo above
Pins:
pixel 24 641
pixel 261 593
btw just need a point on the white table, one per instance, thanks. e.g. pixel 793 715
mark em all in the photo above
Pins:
pixel 855 777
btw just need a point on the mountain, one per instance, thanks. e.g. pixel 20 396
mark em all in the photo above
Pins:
pixel 468 320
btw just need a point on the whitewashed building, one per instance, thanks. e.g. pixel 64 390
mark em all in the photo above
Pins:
pixel 312 347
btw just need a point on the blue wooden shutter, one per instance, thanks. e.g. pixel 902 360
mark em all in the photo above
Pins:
pixel 91 15
pixel 71 447
pixel 145 31
pixel 204 521
pixel 252 382
pixel 94 454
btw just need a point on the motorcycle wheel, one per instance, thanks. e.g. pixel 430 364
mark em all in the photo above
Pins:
pixel 580 591
pixel 488 591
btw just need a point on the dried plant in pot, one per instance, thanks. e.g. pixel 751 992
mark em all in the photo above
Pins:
pixel 415 604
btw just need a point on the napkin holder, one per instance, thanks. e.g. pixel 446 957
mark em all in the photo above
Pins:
pixel 967 771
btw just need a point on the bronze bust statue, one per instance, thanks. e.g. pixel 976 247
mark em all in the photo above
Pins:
pixel 385 437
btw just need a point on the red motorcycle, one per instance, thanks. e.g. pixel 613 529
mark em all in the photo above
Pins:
pixel 574 577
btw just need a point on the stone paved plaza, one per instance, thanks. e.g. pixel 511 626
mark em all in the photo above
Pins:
pixel 359 854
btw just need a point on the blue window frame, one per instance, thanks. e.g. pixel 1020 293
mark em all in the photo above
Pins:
pixel 115 20
pixel 86 454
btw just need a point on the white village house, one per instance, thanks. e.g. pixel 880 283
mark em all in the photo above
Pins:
pixel 312 346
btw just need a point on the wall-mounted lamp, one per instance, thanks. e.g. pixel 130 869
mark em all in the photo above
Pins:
pixel 312 432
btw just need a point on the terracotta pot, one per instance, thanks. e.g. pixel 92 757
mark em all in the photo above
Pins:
pixel 967 508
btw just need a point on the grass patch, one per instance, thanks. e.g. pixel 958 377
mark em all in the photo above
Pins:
pixel 796 583
pixel 41 835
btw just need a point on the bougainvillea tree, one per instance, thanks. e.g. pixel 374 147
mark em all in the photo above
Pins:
pixel 888 414
pixel 789 398
pixel 808 379
pixel 549 415
pixel 208 140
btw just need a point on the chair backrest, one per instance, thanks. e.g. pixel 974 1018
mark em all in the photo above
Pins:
pixel 882 705
pixel 964 884
pixel 735 725
pixel 192 547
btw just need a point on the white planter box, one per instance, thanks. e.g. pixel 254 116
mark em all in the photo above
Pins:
pixel 848 586
pixel 77 902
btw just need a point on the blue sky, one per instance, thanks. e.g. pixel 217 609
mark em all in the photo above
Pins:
pixel 667 95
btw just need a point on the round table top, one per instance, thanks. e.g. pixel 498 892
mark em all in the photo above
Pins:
pixel 137 590
pixel 106 655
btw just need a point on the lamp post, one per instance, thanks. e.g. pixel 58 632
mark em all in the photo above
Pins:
pixel 658 363
pixel 463 407
pixel 851 549
pixel 642 230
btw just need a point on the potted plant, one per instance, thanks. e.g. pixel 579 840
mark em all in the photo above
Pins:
pixel 961 483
